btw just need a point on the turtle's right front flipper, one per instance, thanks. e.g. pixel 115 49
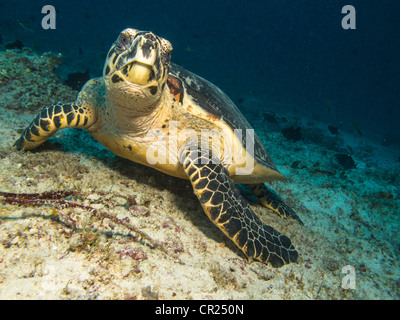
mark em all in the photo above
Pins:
pixel 231 213
pixel 51 119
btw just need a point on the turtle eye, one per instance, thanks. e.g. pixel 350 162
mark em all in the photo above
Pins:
pixel 123 42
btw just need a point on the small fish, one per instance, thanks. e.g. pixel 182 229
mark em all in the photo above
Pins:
pixel 270 117
pixel 357 129
pixel 328 110
pixel 350 149
pixel 292 133
pixel 14 45
pixel 188 49
pixel 345 161
pixel 25 25
pixel 333 130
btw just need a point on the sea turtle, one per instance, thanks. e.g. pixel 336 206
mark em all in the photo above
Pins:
pixel 151 111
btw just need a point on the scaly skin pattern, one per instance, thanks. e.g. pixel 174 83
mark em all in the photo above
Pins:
pixel 231 213
pixel 271 201
pixel 51 119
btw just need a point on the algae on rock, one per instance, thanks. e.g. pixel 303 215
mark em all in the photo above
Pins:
pixel 28 81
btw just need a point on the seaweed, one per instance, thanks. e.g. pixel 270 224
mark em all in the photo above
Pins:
pixel 57 200
pixel 33 198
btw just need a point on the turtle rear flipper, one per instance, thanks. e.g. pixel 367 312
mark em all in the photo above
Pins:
pixel 51 119
pixel 271 201
pixel 231 213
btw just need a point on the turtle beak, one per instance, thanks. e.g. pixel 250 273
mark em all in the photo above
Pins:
pixel 138 72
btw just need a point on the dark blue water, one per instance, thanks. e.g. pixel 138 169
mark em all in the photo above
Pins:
pixel 290 55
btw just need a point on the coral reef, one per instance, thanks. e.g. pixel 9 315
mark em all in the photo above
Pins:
pixel 28 81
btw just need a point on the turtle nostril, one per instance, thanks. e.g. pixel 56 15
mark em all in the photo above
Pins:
pixel 150 36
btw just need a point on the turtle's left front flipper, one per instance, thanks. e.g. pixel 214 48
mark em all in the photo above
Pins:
pixel 231 213
pixel 51 119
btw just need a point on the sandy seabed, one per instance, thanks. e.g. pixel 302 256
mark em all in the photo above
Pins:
pixel 125 231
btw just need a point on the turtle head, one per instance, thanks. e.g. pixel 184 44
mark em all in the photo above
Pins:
pixel 137 67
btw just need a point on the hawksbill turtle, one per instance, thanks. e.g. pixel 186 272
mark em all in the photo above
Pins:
pixel 151 111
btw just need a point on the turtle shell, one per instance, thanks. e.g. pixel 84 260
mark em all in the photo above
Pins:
pixel 215 102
